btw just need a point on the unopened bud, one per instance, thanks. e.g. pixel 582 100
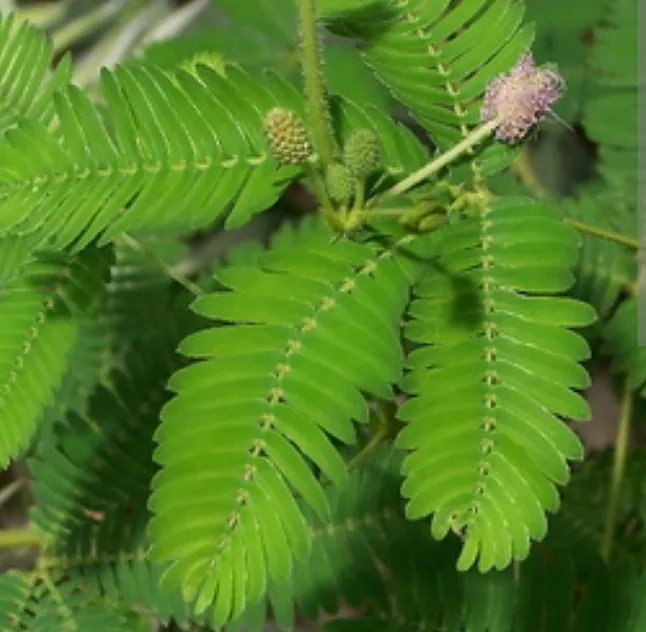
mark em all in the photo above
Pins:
pixel 287 136
pixel 340 184
pixel 362 153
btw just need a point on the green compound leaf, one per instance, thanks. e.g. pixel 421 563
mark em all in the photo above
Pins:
pixel 279 384
pixel 167 152
pixel 492 380
pixel 42 312
pixel 26 84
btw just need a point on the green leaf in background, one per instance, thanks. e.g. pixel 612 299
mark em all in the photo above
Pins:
pixel 260 35
pixel 275 18
pixel 611 118
pixel 565 15
pixel 564 35
pixel 569 48
pixel 346 74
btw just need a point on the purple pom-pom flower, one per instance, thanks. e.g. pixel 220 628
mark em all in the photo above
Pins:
pixel 520 98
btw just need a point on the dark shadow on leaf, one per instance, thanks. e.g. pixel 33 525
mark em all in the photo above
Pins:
pixel 467 310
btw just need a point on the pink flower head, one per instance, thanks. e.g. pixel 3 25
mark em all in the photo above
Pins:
pixel 521 98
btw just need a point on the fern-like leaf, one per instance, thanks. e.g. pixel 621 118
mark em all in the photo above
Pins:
pixel 37 603
pixel 41 312
pixel 27 85
pixel 580 523
pixel 368 559
pixel 99 169
pixel 78 480
pixel 306 330
pixel 92 479
pixel 15 594
pixel 101 174
pixel 492 378
pixel 606 270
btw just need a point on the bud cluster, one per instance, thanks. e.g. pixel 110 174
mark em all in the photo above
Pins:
pixel 290 144
pixel 361 157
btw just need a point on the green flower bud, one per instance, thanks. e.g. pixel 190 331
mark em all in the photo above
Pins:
pixel 362 153
pixel 287 136
pixel 340 184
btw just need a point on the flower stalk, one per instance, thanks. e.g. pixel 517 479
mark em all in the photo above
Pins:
pixel 618 469
pixel 476 136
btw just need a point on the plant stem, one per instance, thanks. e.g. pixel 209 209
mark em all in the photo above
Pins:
pixel 357 216
pixel 386 212
pixel 477 135
pixel 313 77
pixel 610 235
pixel 318 185
pixel 359 195
pixel 17 538
pixel 384 429
pixel 131 242
pixel 618 467
pixel 375 441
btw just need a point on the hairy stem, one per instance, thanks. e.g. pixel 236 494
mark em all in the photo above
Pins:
pixel 17 538
pixel 618 467
pixel 476 136
pixel 313 78
pixel 604 233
